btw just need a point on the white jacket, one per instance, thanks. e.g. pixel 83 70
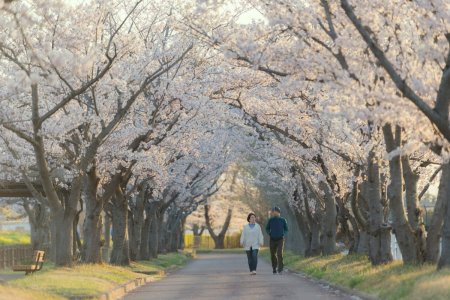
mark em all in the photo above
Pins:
pixel 252 237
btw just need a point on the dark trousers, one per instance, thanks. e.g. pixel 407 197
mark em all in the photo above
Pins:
pixel 276 254
pixel 252 256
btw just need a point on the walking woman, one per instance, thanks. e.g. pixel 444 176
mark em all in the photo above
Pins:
pixel 252 239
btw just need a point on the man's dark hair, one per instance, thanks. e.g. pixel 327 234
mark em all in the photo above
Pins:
pixel 249 215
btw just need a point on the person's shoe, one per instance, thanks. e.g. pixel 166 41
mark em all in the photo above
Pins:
pixel 274 272
pixel 253 272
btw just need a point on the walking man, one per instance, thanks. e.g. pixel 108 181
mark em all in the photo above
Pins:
pixel 276 228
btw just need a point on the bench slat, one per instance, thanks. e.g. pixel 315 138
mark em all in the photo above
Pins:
pixel 25 268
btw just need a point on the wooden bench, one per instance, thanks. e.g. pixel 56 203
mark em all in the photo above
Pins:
pixel 35 265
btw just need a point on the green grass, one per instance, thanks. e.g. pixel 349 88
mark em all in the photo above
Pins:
pixel 162 263
pixel 8 238
pixel 392 282
pixel 87 280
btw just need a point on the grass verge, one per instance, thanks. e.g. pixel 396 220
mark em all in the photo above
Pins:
pixel 391 282
pixel 230 251
pixel 86 280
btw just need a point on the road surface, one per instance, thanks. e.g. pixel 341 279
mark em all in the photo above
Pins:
pixel 226 276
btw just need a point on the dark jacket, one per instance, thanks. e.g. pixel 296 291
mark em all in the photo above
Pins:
pixel 276 228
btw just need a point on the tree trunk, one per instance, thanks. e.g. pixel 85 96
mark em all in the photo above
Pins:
pixel 138 223
pixel 359 208
pixel 174 237
pixel 92 227
pixel 353 249
pixel 153 241
pixel 77 246
pixel 302 220
pixel 53 229
pixel 351 234
pixel 328 222
pixel 172 232
pixel 363 245
pixel 38 217
pixel 63 241
pixel 120 254
pixel 415 213
pixel 219 239
pixel 182 230
pixel 402 229
pixel 107 237
pixel 380 235
pixel 435 228
pixel 313 222
pixel 437 219
pixel 162 234
pixel 315 239
pixel 196 230
pixel 305 231
pixel 145 233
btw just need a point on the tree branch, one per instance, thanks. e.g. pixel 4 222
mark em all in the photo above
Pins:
pixel 402 86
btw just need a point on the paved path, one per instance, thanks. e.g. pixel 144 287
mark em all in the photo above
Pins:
pixel 11 276
pixel 225 276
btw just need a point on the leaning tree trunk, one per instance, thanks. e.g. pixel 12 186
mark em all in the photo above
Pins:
pixel 437 219
pixel 403 231
pixel 219 239
pixel 120 254
pixel 379 231
pixel 444 194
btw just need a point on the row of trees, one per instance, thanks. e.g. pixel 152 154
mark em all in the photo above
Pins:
pixel 100 114
pixel 342 106
pixel 355 98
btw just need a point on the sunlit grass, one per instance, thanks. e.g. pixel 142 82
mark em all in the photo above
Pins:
pixel 88 280
pixel 392 281
pixel 8 292
pixel 14 237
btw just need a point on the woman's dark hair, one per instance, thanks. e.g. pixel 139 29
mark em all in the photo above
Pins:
pixel 249 215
